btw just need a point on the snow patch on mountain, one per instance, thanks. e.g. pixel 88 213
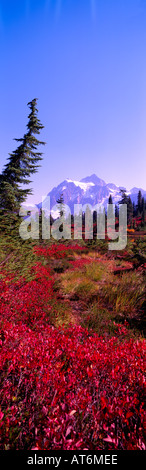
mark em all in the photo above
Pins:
pixel 84 186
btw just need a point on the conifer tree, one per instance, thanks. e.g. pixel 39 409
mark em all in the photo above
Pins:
pixel 116 211
pixel 22 162
pixel 130 212
pixel 124 197
pixel 139 202
pixel 110 200
pixel 127 200
pixel 60 207
pixel 143 211
pixel 134 209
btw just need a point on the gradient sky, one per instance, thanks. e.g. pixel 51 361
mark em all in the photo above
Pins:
pixel 85 61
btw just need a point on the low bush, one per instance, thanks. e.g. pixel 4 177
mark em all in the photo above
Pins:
pixel 67 389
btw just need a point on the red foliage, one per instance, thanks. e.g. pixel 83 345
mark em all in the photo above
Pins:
pixel 64 389
pixel 80 262
pixel 56 251
pixel 27 300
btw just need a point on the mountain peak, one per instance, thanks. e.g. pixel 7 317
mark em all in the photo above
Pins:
pixel 93 179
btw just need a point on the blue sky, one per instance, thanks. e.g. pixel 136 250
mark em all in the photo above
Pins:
pixel 85 61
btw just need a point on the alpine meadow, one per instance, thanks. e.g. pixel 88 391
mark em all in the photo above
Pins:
pixel 72 245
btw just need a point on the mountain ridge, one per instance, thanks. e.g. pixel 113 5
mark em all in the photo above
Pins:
pixel 89 190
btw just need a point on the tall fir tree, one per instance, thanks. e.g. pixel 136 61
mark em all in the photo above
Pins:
pixel 111 212
pixel 116 211
pixel 134 209
pixel 143 211
pixel 130 212
pixel 125 199
pixel 22 162
pixel 139 202
pixel 60 207
pixel 110 200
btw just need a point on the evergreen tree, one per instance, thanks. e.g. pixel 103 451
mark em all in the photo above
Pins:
pixel 130 212
pixel 139 202
pixel 116 211
pixel 143 211
pixel 110 211
pixel 125 199
pixel 22 162
pixel 95 224
pixel 60 207
pixel 134 209
pixel 110 200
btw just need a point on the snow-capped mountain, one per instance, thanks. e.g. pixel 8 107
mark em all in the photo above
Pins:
pixel 90 190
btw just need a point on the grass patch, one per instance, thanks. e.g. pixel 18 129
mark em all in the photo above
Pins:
pixel 125 293
pixel 96 271
pixel 99 320
pixel 60 314
pixel 77 285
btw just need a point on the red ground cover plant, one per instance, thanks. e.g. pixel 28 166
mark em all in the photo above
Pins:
pixel 65 388
pixel 27 300
pixel 79 263
pixel 57 251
